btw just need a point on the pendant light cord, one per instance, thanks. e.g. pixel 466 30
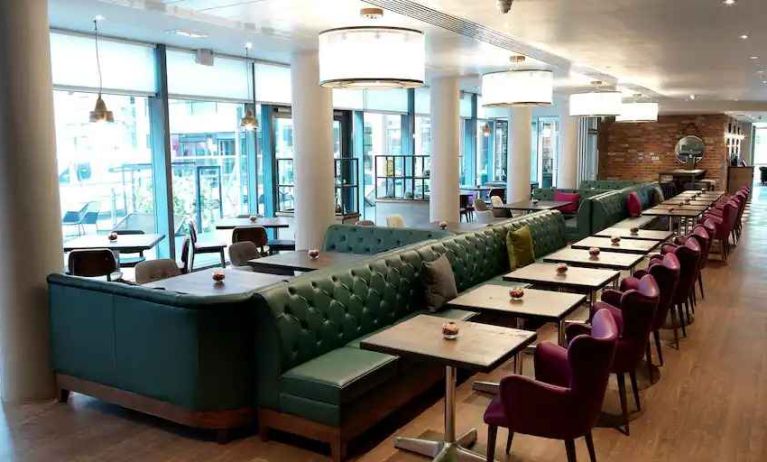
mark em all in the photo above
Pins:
pixel 98 58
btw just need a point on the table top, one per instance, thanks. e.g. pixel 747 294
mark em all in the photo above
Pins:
pixel 529 206
pixel 675 212
pixel 462 227
pixel 476 188
pixel 543 304
pixel 575 277
pixel 201 283
pixel 642 234
pixel 693 202
pixel 128 243
pixel 479 347
pixel 266 222
pixel 625 245
pixel 685 172
pixel 609 260
pixel 285 262
pixel 681 207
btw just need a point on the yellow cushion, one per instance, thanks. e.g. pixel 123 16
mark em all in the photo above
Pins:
pixel 519 244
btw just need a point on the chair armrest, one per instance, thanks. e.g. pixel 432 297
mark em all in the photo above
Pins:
pixel 551 364
pixel 534 403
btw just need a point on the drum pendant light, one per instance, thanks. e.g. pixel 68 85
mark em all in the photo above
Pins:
pixel 249 121
pixel 372 56
pixel 100 113
pixel 517 87
pixel 597 103
pixel 637 111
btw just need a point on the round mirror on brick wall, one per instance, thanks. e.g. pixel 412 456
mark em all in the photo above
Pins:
pixel 689 150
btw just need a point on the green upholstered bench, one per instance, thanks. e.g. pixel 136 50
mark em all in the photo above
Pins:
pixel 313 379
pixel 578 225
pixel 610 209
pixel 374 239
pixel 606 184
pixel 185 358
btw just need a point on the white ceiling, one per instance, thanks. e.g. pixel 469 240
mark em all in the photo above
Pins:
pixel 666 48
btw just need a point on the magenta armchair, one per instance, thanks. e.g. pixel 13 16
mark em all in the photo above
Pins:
pixel 666 271
pixel 634 312
pixel 689 255
pixel 724 225
pixel 565 398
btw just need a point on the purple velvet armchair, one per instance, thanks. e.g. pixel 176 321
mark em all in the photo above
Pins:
pixel 689 255
pixel 666 271
pixel 564 400
pixel 634 312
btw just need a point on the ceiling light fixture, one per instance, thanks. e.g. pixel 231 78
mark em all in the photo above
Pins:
pixel 729 2
pixel 517 87
pixel 504 6
pixel 692 97
pixel 249 121
pixel 372 57
pixel 744 37
pixel 636 111
pixel 597 103
pixel 753 58
pixel 100 113
pixel 187 33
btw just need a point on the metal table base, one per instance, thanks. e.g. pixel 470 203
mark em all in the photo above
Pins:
pixel 450 448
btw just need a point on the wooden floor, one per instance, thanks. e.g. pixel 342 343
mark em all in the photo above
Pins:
pixel 710 404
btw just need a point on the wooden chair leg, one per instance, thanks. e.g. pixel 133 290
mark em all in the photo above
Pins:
pixel 492 431
pixel 570 448
pixel 700 283
pixel 633 377
pixel 63 395
pixel 682 320
pixel 648 358
pixel 590 446
pixel 508 441
pixel 223 259
pixel 624 404
pixel 656 336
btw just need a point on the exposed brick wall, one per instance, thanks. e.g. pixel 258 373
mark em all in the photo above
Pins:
pixel 639 151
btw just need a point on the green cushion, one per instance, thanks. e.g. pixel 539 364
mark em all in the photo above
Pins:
pixel 519 244
pixel 339 376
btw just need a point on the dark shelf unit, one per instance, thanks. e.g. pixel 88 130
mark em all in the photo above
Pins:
pixel 404 176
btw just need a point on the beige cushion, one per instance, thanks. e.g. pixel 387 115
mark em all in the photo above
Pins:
pixel 439 281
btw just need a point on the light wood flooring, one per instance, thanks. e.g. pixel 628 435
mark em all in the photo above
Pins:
pixel 709 405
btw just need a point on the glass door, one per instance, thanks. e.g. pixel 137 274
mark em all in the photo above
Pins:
pixel 548 134
pixel 283 154
pixel 209 196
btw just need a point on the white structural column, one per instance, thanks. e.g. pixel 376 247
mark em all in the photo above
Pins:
pixel 31 246
pixel 445 145
pixel 520 139
pixel 313 152
pixel 567 163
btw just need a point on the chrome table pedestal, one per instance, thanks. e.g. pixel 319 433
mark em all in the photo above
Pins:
pixel 450 449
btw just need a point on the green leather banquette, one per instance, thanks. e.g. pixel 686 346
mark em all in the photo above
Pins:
pixel 374 239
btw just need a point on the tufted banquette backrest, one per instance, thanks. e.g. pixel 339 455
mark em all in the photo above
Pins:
pixel 374 239
pixel 323 310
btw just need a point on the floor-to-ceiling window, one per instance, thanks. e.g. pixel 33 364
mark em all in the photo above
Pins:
pixel 104 169
pixel 546 133
pixel 760 146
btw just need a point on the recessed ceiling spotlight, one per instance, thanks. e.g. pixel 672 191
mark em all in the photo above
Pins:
pixel 692 97
pixel 729 2
pixel 187 33
pixel 99 18
pixel 744 37
pixel 248 45
pixel 753 58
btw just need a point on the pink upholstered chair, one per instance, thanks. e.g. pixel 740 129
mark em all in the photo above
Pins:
pixel 665 269
pixel 688 255
pixel 634 312
pixel 724 224
pixel 565 398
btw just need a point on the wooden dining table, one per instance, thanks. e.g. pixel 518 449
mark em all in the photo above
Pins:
pixel 641 234
pixel 264 222
pixel 201 283
pixel 620 261
pixel 288 263
pixel 126 243
pixel 627 245
pixel 478 348
pixel 583 280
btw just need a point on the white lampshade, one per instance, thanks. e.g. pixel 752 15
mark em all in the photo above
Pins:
pixel 517 88
pixel 638 112
pixel 596 104
pixel 372 57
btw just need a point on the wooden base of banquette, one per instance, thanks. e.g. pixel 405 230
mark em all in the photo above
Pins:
pixel 220 421
pixel 369 411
